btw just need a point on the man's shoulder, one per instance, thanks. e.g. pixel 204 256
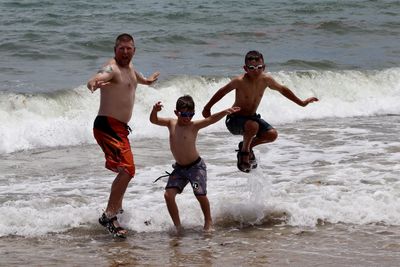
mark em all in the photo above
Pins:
pixel 111 63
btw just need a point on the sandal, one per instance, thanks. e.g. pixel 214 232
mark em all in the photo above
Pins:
pixel 109 224
pixel 243 166
pixel 252 158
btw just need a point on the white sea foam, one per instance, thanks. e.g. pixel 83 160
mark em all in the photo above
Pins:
pixel 318 171
pixel 65 118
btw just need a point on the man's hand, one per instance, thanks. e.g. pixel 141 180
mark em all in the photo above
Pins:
pixel 154 77
pixel 93 86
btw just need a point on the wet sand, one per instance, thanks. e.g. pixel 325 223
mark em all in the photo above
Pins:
pixel 325 245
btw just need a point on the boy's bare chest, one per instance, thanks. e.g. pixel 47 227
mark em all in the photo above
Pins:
pixel 183 134
pixel 251 93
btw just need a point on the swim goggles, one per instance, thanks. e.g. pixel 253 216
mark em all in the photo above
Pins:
pixel 186 114
pixel 258 67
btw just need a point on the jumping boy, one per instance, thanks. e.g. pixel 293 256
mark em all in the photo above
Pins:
pixel 189 166
pixel 249 90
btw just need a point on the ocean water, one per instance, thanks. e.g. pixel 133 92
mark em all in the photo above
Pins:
pixel 328 187
pixel 53 45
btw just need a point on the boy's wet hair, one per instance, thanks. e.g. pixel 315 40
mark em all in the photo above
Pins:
pixel 253 55
pixel 185 102
pixel 124 37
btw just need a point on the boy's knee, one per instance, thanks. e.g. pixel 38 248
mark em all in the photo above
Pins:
pixel 272 135
pixel 251 127
pixel 202 198
pixel 169 195
pixel 269 136
pixel 166 195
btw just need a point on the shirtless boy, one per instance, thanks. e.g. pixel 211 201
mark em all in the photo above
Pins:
pixel 249 90
pixel 117 81
pixel 189 166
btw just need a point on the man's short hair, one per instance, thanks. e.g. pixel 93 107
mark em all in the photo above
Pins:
pixel 185 101
pixel 253 55
pixel 124 37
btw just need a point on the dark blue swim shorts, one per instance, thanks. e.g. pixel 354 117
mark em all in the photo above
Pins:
pixel 235 123
pixel 195 173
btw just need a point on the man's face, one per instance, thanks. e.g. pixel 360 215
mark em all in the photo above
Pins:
pixel 124 52
pixel 254 67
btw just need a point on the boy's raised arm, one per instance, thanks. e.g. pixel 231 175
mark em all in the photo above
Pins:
pixel 216 97
pixel 215 117
pixel 285 91
pixel 155 119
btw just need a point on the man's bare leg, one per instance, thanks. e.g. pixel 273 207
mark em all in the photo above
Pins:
pixel 118 189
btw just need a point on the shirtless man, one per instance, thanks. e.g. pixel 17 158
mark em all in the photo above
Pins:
pixel 249 90
pixel 117 81
pixel 189 166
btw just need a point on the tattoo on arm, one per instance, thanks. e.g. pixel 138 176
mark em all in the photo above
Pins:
pixel 106 69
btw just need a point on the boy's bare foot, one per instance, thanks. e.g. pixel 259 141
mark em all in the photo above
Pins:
pixel 179 229
pixel 208 227
pixel 243 161
pixel 252 158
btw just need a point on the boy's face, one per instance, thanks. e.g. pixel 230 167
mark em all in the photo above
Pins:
pixel 254 67
pixel 184 116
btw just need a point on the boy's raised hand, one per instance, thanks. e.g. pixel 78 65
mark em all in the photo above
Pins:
pixel 206 112
pixel 158 106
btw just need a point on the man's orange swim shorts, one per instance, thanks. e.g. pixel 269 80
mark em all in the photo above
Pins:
pixel 112 136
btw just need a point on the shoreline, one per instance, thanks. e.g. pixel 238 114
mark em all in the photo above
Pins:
pixel 327 245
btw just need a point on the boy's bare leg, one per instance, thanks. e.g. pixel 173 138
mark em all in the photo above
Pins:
pixel 169 197
pixel 205 207
pixel 250 130
pixel 267 137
